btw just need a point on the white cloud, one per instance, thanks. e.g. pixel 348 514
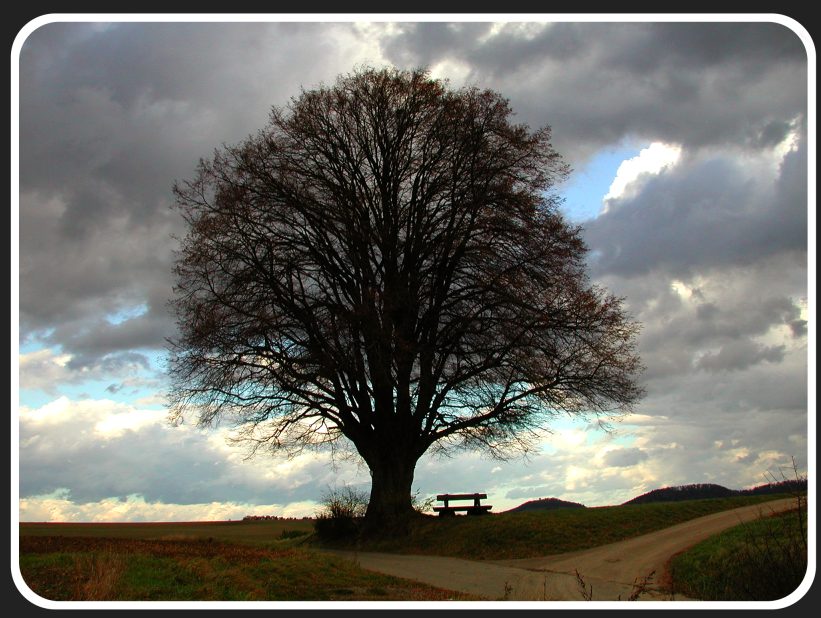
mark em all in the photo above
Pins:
pixel 43 369
pixel 101 452
pixel 571 438
pixel 452 69
pixel 105 418
pixel 651 160
pixel 791 141
pixel 524 31
pixel 116 424
pixel 59 507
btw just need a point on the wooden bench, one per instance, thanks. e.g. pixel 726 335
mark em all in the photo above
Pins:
pixel 477 508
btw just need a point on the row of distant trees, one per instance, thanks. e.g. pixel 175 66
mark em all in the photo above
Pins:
pixel 271 517
pixel 697 491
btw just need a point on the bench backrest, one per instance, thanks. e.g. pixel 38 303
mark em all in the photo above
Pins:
pixel 461 496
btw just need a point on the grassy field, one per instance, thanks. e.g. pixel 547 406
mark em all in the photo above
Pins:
pixel 74 568
pixel 277 559
pixel 762 560
pixel 543 533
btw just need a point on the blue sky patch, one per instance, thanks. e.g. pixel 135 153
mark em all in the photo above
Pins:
pixel 587 185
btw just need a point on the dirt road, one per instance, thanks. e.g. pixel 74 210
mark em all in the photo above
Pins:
pixel 611 570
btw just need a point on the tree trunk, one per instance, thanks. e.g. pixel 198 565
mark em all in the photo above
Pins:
pixel 390 505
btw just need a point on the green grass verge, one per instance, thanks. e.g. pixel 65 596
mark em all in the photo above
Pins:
pixel 543 533
pixel 762 560
pixel 111 569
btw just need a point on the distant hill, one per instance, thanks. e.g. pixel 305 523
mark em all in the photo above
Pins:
pixel 695 491
pixel 699 491
pixel 546 504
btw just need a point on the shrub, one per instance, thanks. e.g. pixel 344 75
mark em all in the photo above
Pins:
pixel 341 513
pixel 422 506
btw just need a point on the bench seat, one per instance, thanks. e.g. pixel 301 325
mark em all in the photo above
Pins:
pixel 482 508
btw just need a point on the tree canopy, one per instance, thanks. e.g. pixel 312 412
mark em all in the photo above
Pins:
pixel 386 262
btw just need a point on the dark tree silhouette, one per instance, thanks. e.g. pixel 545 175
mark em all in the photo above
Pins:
pixel 385 262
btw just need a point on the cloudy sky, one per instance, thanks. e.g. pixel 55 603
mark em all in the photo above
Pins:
pixel 689 147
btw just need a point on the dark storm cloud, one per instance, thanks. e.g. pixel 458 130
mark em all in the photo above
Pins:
pixel 92 340
pixel 691 83
pixel 111 116
pixel 133 99
pixel 739 355
pixel 703 214
pixel 798 328
pixel 424 43
pixel 762 387
pixel 675 347
pixel 724 320
pixel 648 47
pixel 70 282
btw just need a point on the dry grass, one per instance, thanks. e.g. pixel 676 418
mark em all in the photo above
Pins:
pixel 110 569
pixel 97 575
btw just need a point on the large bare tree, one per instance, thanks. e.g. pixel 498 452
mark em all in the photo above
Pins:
pixel 385 262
